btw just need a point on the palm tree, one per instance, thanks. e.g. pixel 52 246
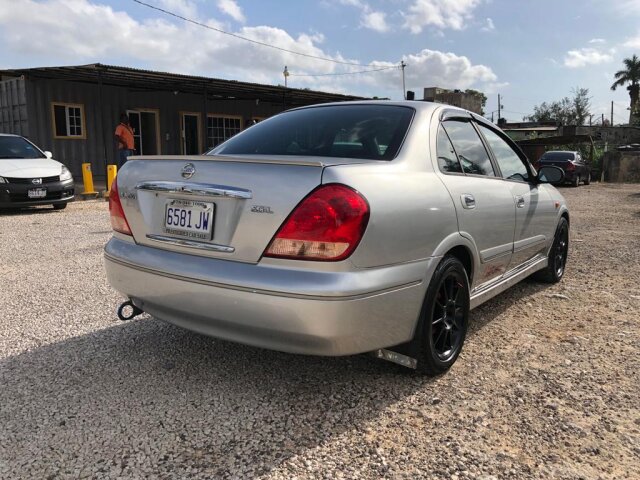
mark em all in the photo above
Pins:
pixel 630 75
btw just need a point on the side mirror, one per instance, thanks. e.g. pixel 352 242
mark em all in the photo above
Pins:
pixel 48 154
pixel 550 174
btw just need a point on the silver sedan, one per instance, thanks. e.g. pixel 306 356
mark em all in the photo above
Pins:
pixel 338 229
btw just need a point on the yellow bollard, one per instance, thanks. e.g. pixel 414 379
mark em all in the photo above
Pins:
pixel 87 179
pixel 112 171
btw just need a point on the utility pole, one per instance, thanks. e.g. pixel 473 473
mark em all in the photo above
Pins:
pixel 286 75
pixel 404 89
pixel 612 113
pixel 603 119
pixel 499 109
pixel 590 117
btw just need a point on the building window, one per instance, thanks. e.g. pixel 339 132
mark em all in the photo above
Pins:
pixel 221 128
pixel 68 121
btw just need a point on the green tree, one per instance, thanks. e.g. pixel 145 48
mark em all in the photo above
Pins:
pixel 567 111
pixel 630 75
pixel 480 95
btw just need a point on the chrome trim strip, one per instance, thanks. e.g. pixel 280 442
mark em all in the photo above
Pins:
pixel 359 296
pixel 213 247
pixel 204 189
pixel 508 280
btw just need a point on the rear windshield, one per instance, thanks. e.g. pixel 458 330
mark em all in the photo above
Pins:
pixel 372 132
pixel 17 147
pixel 557 156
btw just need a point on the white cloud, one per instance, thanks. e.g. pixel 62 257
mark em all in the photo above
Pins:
pixel 79 31
pixel 371 19
pixel 431 68
pixel 626 7
pixel 231 8
pixel 586 56
pixel 489 26
pixel 375 21
pixel 186 8
pixel 597 40
pixel 439 13
pixel 632 42
pixel 353 3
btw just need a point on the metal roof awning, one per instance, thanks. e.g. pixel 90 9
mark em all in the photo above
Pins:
pixel 558 140
pixel 150 80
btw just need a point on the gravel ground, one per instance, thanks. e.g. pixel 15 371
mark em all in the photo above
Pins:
pixel 547 386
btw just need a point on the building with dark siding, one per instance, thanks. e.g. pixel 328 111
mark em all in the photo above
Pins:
pixel 73 111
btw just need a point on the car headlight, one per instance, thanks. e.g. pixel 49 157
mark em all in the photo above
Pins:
pixel 66 174
pixel 2 180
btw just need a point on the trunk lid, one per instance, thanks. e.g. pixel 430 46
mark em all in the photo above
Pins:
pixel 241 200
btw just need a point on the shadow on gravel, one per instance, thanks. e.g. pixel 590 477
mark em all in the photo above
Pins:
pixel 101 399
pixel 485 313
pixel 26 211
pixel 635 195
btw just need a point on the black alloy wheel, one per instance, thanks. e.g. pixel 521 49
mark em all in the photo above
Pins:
pixel 557 259
pixel 445 317
pixel 587 180
pixel 576 181
pixel 560 249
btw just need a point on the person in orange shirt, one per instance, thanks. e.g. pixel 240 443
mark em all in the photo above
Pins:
pixel 124 138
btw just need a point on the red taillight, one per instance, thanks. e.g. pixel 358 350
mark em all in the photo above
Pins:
pixel 327 225
pixel 118 220
pixel 570 167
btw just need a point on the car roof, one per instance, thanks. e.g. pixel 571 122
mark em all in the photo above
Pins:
pixel 416 104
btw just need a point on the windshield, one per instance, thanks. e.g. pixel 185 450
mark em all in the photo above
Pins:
pixel 556 156
pixel 18 147
pixel 353 131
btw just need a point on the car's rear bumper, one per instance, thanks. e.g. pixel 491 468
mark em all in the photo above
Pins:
pixel 14 195
pixel 280 308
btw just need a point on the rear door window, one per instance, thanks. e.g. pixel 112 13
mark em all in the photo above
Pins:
pixel 471 152
pixel 447 159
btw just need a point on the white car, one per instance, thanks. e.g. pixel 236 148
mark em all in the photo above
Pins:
pixel 29 176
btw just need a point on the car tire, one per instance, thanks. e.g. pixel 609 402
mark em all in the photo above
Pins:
pixel 59 206
pixel 444 318
pixel 554 271
pixel 576 181
pixel 587 180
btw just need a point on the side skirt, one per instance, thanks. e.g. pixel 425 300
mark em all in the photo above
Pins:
pixel 510 278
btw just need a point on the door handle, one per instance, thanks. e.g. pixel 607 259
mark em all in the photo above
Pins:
pixel 520 202
pixel 468 201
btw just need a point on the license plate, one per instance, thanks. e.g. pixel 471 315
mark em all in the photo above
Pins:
pixel 37 193
pixel 188 218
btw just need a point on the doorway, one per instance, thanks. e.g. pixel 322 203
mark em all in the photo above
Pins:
pixel 190 133
pixel 145 131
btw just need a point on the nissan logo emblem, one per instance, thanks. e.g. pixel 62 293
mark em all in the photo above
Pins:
pixel 36 181
pixel 188 170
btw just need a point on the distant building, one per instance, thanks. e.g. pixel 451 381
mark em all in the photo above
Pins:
pixel 457 98
pixel 73 110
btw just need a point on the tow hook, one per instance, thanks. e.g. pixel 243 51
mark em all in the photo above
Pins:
pixel 127 310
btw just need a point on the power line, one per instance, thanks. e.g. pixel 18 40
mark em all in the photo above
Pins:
pixel 257 42
pixel 395 67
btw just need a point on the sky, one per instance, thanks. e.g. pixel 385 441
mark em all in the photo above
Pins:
pixel 528 51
